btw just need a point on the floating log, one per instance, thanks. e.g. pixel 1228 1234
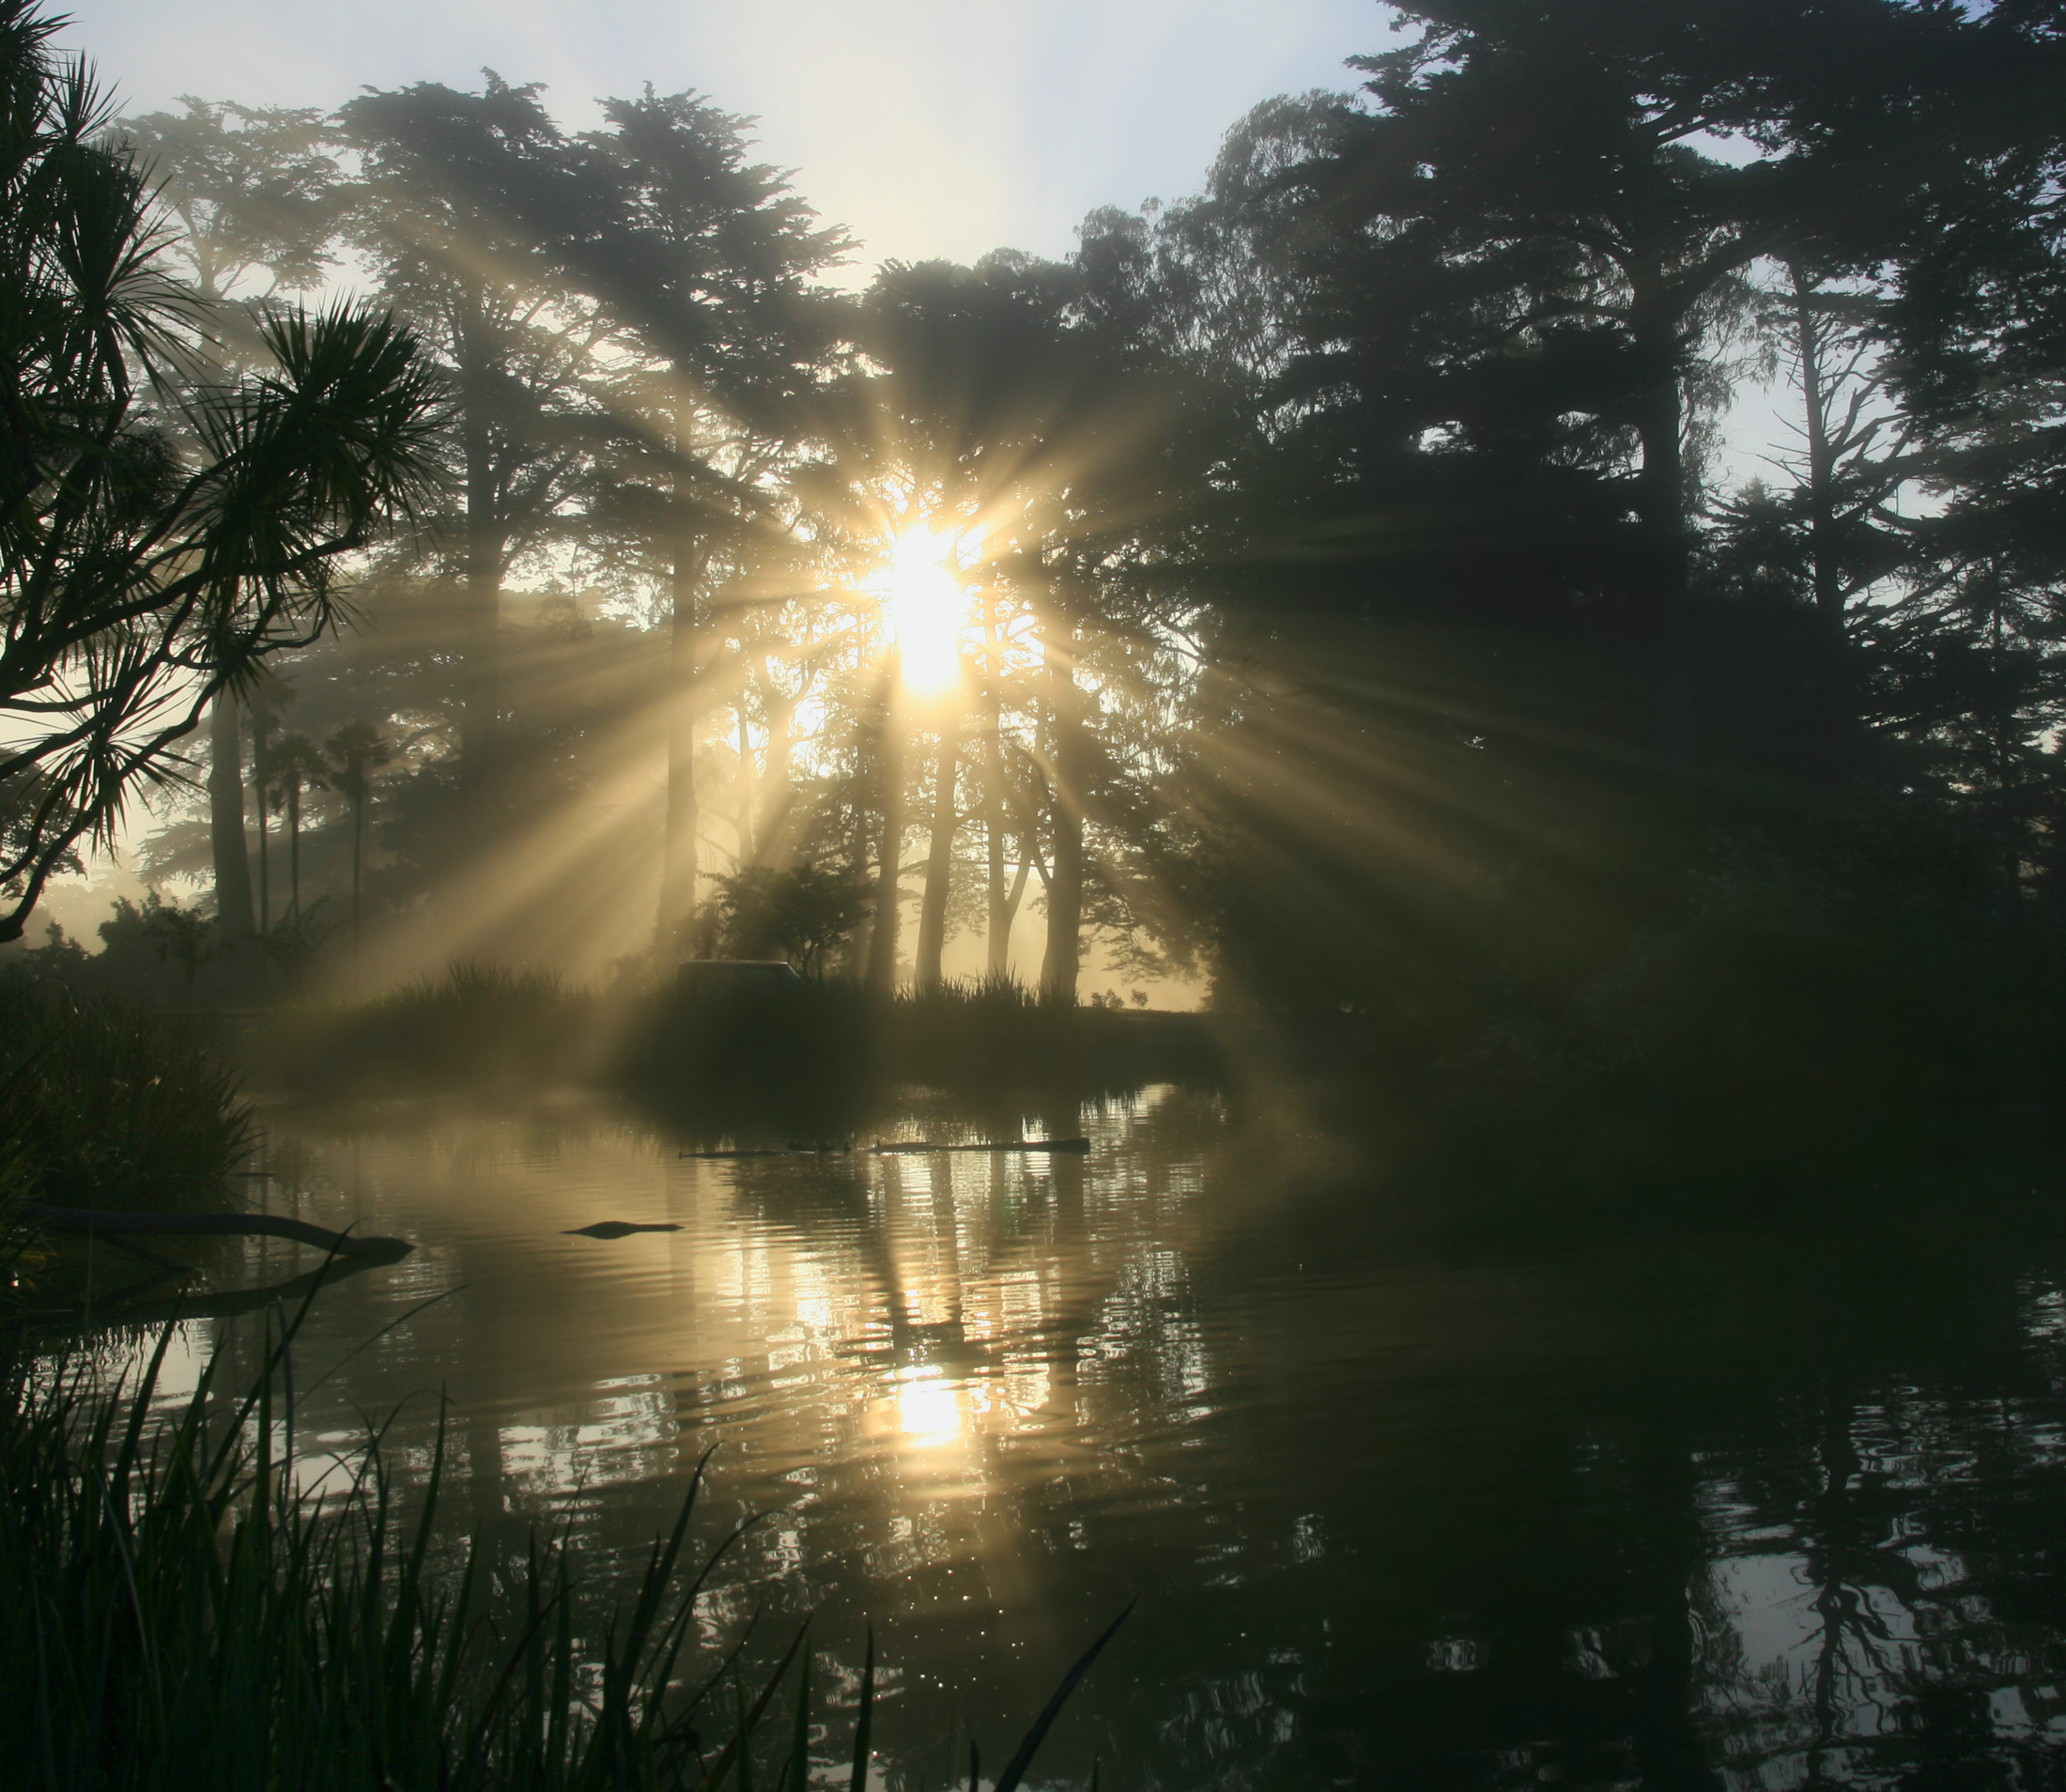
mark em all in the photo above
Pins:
pixel 776 1150
pixel 88 1222
pixel 619 1228
pixel 921 1145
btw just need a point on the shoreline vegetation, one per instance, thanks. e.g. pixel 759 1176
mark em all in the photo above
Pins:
pixel 1804 1034
pixel 325 1639
pixel 105 1105
pixel 824 1046
pixel 186 1616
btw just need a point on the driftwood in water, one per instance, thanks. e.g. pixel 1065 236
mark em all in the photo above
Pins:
pixel 86 1222
pixel 907 1147
pixel 779 1150
pixel 1014 1145
pixel 225 1304
pixel 619 1228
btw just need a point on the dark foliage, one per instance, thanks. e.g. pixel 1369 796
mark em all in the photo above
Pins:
pixel 112 1107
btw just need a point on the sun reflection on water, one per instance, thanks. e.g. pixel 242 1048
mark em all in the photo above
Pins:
pixel 929 1406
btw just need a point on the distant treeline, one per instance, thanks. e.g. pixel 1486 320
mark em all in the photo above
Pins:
pixel 1352 599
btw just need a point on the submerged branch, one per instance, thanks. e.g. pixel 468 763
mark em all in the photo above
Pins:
pixel 89 1223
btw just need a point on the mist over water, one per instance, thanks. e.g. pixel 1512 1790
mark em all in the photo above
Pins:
pixel 1401 1506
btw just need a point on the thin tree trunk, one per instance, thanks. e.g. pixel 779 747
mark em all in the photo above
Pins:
pixel 777 847
pixel 1825 573
pixel 230 849
pixel 1062 963
pixel 478 730
pixel 1660 503
pixel 998 928
pixel 745 825
pixel 888 780
pixel 294 847
pixel 258 790
pixel 1016 894
pixel 1822 530
pixel 480 705
pixel 678 872
pixel 678 853
pixel 861 946
pixel 357 856
pixel 939 869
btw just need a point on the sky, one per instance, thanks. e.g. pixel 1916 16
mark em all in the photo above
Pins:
pixel 928 128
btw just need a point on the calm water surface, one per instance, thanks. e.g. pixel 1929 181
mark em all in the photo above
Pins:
pixel 1403 1504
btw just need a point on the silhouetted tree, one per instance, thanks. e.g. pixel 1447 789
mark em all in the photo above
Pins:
pixel 229 850
pixel 702 258
pixel 355 752
pixel 459 196
pixel 799 914
pixel 256 198
pixel 159 536
pixel 256 194
pixel 296 767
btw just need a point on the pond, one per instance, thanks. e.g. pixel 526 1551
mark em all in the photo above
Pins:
pixel 1403 1503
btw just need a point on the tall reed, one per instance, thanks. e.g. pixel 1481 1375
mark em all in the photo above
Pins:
pixel 181 1616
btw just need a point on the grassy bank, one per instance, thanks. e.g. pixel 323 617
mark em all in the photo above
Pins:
pixel 807 1054
pixel 181 1617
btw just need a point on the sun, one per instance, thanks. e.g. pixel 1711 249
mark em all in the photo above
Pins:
pixel 928 608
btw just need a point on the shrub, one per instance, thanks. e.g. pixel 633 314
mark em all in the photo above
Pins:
pixel 112 1107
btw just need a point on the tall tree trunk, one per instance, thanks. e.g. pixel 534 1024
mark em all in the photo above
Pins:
pixel 743 826
pixel 358 859
pixel 678 852
pixel 774 831
pixel 258 790
pixel 1823 571
pixel 998 939
pixel 939 869
pixel 1660 506
pixel 481 603
pixel 230 849
pixel 678 891
pixel 888 781
pixel 1826 573
pixel 1063 960
pixel 478 724
pixel 294 847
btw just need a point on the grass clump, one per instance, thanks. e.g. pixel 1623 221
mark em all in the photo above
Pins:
pixel 180 1617
pixel 107 1105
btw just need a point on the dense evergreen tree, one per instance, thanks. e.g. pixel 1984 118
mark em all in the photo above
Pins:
pixel 455 197
pixel 702 259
